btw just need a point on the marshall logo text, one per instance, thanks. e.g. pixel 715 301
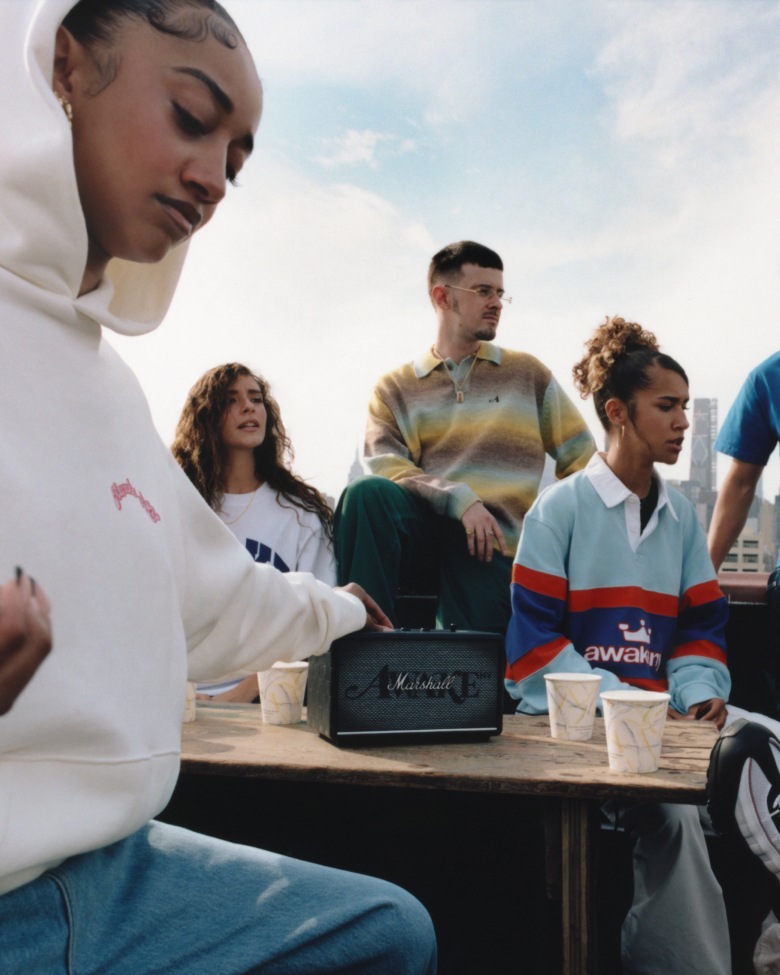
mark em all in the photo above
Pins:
pixel 459 685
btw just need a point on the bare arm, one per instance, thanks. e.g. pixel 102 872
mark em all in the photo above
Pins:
pixel 731 508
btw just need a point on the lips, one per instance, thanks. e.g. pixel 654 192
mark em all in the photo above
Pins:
pixel 183 216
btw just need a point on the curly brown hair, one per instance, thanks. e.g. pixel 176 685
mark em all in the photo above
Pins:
pixel 198 449
pixel 615 364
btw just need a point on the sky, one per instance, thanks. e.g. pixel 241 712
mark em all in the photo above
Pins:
pixel 622 157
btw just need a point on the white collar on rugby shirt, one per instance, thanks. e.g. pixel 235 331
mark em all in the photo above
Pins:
pixel 613 492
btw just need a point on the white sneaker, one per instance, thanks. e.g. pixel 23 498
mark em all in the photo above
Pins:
pixel 766 957
pixel 743 789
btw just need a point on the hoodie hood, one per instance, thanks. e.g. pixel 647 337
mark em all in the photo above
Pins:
pixel 43 237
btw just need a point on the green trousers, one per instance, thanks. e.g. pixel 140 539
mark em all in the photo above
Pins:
pixel 393 544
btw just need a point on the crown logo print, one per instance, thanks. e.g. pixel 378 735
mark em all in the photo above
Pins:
pixel 642 635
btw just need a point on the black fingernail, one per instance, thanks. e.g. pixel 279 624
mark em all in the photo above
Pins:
pixel 32 585
pixel 19 574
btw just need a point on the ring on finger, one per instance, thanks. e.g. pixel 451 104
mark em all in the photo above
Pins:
pixel 488 531
pixel 469 531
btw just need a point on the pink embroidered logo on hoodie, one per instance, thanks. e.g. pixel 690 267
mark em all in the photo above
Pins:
pixel 121 491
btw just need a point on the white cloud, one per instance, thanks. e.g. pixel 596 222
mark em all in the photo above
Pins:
pixel 354 148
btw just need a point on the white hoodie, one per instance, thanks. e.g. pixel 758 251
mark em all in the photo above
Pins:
pixel 147 585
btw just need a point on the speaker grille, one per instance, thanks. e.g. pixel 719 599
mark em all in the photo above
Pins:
pixel 408 681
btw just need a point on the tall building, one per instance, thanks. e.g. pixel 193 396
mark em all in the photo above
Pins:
pixel 704 431
pixel 700 488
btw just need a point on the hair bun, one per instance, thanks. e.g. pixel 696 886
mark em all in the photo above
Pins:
pixel 614 338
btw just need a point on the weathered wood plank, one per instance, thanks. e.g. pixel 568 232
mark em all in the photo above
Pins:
pixel 231 740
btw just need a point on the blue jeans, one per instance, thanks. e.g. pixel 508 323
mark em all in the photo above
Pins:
pixel 170 902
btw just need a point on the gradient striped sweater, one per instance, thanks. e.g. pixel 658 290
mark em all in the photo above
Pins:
pixel 489 448
pixel 589 591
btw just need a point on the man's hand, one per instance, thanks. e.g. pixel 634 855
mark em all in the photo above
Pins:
pixel 25 636
pixel 713 710
pixel 375 616
pixel 482 530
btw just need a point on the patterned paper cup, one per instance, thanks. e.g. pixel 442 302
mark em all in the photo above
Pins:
pixel 281 692
pixel 571 701
pixel 635 725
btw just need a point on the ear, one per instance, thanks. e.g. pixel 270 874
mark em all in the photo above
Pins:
pixel 439 296
pixel 616 411
pixel 70 57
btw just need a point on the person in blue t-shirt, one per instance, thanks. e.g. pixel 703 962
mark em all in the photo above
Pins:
pixel 749 435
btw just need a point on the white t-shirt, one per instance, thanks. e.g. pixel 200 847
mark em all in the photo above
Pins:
pixel 274 531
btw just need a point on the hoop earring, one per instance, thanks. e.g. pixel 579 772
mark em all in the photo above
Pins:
pixel 66 106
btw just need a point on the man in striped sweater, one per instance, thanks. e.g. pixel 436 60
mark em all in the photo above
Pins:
pixel 456 443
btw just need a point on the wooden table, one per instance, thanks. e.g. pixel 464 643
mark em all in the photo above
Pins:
pixel 572 777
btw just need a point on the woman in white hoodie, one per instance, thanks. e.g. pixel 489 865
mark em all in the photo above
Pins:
pixel 124 122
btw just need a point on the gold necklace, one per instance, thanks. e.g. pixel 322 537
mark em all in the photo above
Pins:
pixel 457 383
pixel 251 499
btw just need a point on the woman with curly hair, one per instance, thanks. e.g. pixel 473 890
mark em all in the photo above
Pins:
pixel 611 551
pixel 231 442
pixel 616 543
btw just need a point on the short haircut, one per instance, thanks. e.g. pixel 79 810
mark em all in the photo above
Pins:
pixel 450 259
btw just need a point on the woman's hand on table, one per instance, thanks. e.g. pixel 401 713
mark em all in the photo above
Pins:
pixel 25 635
pixel 712 710
pixel 376 619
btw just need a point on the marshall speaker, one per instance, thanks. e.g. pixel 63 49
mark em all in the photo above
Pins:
pixel 408 686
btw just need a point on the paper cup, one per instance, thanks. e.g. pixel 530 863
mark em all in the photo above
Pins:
pixel 634 722
pixel 281 692
pixel 571 701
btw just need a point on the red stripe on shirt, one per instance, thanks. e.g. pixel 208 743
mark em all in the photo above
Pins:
pixel 540 582
pixel 705 592
pixel 539 657
pixel 619 597
pixel 699 648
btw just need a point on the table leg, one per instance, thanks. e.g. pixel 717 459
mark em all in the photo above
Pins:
pixel 575 878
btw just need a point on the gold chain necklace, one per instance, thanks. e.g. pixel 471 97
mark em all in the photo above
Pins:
pixel 251 499
pixel 457 383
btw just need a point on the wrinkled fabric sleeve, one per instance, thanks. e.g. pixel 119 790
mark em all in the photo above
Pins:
pixel 565 434
pixel 392 450
pixel 697 669
pixel 536 639
pixel 241 616
pixel 748 433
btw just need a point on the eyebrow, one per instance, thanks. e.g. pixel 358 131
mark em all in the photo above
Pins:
pixel 220 96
